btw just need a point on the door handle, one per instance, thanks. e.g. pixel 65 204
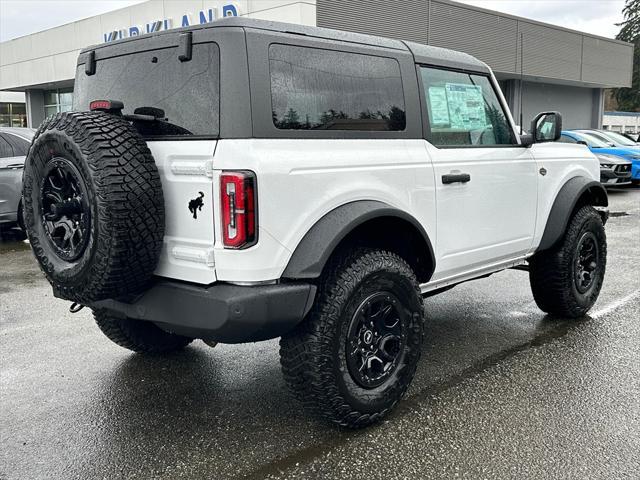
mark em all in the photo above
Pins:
pixel 456 178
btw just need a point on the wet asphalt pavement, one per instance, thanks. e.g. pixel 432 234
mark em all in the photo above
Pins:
pixel 502 391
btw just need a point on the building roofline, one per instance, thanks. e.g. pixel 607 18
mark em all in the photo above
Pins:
pixel 529 20
pixel 75 21
pixel 449 2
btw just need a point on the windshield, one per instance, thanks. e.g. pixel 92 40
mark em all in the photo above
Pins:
pixel 599 136
pixel 620 139
pixel 187 92
pixel 592 141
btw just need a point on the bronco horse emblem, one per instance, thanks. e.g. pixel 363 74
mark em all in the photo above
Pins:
pixel 196 204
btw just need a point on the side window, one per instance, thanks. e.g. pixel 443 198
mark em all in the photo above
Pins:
pixel 5 148
pixel 463 110
pixel 567 139
pixel 315 89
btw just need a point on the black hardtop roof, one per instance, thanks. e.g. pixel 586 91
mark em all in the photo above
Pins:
pixel 425 54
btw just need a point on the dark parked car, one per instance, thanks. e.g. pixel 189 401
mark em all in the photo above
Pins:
pixel 614 170
pixel 14 144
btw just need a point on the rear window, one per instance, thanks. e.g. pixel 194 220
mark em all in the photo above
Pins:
pixel 187 92
pixel 320 89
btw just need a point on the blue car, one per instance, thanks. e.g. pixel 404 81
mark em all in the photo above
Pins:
pixel 598 146
pixel 614 139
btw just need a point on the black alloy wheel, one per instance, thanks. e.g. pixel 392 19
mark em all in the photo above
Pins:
pixel 353 357
pixel 375 339
pixel 586 262
pixel 64 211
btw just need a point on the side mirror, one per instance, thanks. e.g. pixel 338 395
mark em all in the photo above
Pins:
pixel 546 127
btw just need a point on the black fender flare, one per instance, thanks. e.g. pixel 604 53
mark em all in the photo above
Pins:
pixel 564 205
pixel 315 248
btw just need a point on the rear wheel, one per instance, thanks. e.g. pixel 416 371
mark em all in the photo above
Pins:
pixel 138 335
pixel 566 280
pixel 354 356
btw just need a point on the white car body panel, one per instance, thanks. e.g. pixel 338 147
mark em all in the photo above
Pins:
pixel 562 161
pixel 301 180
pixel 492 222
pixel 490 218
pixel 185 170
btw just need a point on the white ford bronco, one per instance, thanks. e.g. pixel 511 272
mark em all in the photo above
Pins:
pixel 246 180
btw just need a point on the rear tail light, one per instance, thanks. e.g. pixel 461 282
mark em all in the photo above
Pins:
pixel 239 209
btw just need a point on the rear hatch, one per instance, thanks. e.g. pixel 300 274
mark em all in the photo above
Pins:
pixel 152 76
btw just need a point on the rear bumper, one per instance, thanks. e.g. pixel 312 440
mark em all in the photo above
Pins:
pixel 222 312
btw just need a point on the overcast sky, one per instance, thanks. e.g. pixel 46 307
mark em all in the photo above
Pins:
pixel 22 17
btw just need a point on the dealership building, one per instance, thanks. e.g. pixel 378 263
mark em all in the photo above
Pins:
pixel 539 66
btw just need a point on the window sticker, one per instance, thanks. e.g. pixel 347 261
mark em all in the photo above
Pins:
pixel 466 106
pixel 439 106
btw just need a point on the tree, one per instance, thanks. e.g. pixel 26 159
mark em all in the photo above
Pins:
pixel 291 119
pixel 629 98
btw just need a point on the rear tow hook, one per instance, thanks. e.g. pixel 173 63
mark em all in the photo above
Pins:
pixel 75 307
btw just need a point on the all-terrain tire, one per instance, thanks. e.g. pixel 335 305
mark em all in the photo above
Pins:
pixel 314 355
pixel 138 335
pixel 553 273
pixel 110 245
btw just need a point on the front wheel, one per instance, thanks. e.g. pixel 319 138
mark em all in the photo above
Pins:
pixel 354 356
pixel 566 280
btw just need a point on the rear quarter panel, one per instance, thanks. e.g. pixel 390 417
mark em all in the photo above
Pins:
pixel 301 180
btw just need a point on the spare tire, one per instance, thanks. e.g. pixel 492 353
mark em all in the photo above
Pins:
pixel 93 206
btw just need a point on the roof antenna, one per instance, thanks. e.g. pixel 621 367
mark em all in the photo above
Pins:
pixel 521 76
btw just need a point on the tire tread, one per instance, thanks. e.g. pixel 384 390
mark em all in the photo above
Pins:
pixel 550 271
pixel 305 352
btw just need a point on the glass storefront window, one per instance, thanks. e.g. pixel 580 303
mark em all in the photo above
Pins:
pixel 13 114
pixel 65 97
pixel 59 100
pixel 50 97
pixel 18 108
